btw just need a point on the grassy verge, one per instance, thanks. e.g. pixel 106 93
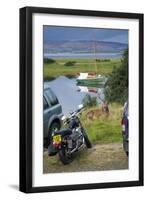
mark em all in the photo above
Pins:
pixel 103 128
pixel 58 68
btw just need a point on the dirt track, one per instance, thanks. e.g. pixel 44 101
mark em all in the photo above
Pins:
pixel 101 157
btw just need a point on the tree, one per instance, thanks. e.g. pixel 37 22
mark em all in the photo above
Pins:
pixel 116 88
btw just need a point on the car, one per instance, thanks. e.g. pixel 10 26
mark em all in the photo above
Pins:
pixel 125 128
pixel 52 114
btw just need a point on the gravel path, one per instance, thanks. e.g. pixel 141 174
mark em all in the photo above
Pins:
pixel 101 157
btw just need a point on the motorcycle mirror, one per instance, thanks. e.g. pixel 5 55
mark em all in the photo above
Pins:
pixel 63 118
pixel 80 106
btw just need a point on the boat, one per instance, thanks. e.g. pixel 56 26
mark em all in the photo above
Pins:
pixel 90 78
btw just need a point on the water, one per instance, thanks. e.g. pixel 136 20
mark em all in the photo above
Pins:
pixel 83 55
pixel 70 95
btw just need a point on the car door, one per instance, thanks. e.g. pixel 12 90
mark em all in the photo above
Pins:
pixel 55 108
pixel 46 115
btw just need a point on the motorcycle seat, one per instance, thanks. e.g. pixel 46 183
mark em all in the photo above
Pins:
pixel 63 132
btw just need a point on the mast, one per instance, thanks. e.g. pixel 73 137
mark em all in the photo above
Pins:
pixel 95 55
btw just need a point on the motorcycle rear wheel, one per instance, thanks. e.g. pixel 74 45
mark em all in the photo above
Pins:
pixel 64 157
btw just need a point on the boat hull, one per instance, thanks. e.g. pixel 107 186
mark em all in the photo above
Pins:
pixel 97 81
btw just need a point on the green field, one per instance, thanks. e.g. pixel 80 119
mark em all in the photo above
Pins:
pixel 58 68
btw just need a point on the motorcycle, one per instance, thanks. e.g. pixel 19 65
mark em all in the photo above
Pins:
pixel 67 142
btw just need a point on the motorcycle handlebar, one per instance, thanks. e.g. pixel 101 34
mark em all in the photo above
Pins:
pixel 74 113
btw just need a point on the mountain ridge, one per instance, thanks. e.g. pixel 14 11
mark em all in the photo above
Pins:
pixel 83 46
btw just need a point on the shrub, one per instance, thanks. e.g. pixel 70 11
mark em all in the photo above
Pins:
pixel 49 60
pixel 70 63
pixel 103 60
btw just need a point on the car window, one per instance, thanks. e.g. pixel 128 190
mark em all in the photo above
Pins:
pixel 45 104
pixel 51 96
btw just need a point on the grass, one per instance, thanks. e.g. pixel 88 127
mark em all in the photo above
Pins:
pixel 58 68
pixel 104 129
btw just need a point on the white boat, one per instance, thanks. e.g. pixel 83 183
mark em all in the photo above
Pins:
pixel 90 78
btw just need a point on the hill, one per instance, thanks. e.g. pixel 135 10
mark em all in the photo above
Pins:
pixel 83 46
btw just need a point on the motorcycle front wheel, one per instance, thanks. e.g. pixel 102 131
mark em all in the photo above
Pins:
pixel 65 157
pixel 87 141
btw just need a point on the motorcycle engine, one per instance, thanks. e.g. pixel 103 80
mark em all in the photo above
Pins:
pixel 76 138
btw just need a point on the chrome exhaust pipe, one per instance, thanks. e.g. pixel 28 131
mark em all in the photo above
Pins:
pixel 78 148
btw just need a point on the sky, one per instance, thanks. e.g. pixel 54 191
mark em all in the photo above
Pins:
pixel 58 33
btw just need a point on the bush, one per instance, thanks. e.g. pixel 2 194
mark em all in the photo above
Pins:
pixel 103 60
pixel 89 101
pixel 49 60
pixel 70 63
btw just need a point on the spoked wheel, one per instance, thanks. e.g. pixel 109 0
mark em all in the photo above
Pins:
pixel 87 141
pixel 65 157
